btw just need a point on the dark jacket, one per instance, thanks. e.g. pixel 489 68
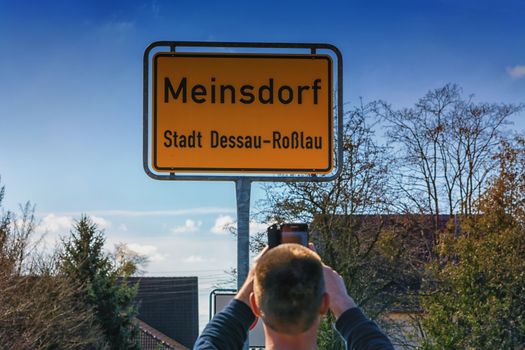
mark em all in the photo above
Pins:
pixel 229 328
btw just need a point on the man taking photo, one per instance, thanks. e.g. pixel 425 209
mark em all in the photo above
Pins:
pixel 290 289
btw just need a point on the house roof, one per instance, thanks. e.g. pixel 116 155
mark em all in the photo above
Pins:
pixel 170 306
pixel 151 338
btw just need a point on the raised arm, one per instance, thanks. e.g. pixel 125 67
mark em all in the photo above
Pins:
pixel 358 331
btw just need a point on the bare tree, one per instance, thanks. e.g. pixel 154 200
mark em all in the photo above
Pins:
pixel 444 148
pixel 360 189
pixel 38 308
pixel 127 262
pixel 348 220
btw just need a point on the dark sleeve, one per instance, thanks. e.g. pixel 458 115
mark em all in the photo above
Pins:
pixel 361 333
pixel 228 329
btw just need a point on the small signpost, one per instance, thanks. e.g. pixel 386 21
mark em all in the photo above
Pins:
pixel 256 114
pixel 219 299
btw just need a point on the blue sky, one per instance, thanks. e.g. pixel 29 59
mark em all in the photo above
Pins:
pixel 71 100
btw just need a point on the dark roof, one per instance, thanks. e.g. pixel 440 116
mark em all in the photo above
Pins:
pixel 424 221
pixel 169 305
pixel 418 231
pixel 151 339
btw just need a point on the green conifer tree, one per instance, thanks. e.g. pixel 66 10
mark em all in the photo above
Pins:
pixel 84 260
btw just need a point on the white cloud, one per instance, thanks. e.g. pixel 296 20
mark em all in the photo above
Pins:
pixel 145 213
pixel 52 223
pixel 56 223
pixel 149 251
pixel 171 255
pixel 189 226
pixel 194 259
pixel 101 222
pixel 122 227
pixel 222 223
pixel 53 226
pixel 142 249
pixel 50 229
pixel 256 227
pixel 516 72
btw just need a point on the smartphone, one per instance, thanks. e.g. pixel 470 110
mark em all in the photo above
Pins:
pixel 288 233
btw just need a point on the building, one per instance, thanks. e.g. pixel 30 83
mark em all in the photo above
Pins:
pixel 168 311
pixel 418 233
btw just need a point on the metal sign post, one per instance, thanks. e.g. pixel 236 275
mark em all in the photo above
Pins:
pixel 256 115
pixel 242 191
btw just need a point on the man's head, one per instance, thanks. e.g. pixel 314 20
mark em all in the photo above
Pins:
pixel 289 288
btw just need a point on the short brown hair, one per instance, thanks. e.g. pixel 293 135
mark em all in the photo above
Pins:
pixel 289 288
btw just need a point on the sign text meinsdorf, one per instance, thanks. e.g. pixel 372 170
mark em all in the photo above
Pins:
pixel 242 112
